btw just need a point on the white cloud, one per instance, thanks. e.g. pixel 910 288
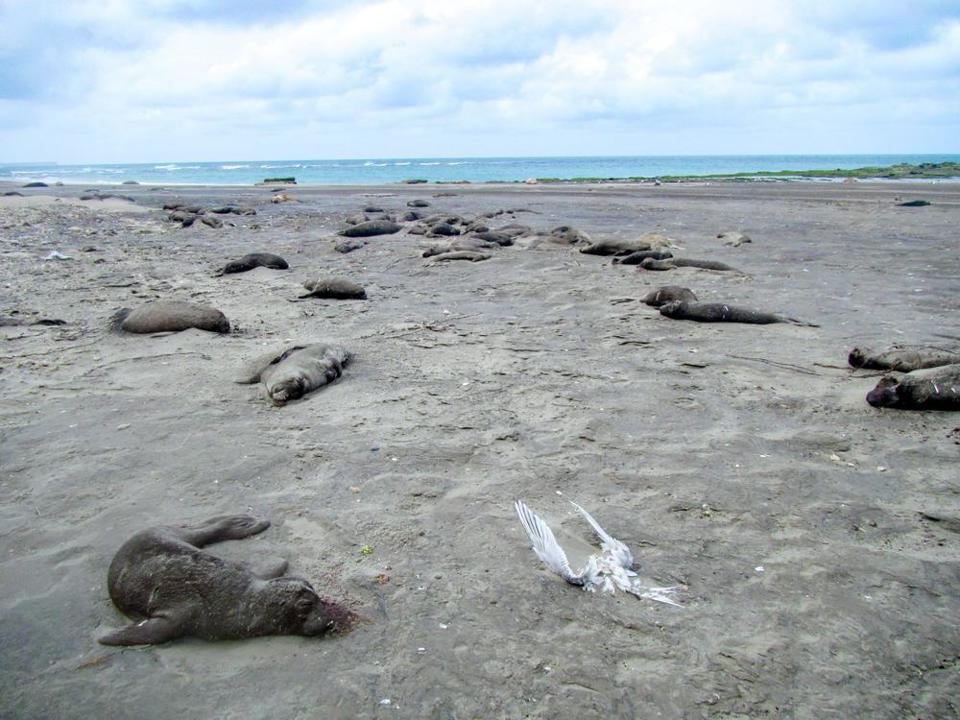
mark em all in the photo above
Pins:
pixel 165 79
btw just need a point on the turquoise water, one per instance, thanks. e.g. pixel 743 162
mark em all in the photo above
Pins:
pixel 375 171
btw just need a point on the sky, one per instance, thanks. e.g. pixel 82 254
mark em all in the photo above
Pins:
pixel 170 80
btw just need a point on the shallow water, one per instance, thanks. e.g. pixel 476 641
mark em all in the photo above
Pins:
pixel 375 171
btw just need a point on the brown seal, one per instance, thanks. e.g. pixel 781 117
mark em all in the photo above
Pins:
pixel 668 294
pixel 641 255
pixel 470 255
pixel 931 389
pixel 292 372
pixel 170 316
pixel 255 260
pixel 164 579
pixel 371 228
pixel 902 359
pixel 469 244
pixel 722 312
pixel 334 289
pixel 671 263
pixel 626 246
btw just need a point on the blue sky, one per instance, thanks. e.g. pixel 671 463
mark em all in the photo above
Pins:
pixel 150 80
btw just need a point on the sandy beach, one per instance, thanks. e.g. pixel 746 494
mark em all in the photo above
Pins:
pixel 739 461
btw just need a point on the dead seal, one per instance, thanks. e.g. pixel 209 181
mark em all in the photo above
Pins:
pixel 902 359
pixel 292 372
pixel 626 246
pixel 567 235
pixel 348 246
pixel 255 260
pixel 515 230
pixel 638 257
pixel 492 236
pixel 469 244
pixel 442 230
pixel 170 316
pixel 734 238
pixel 931 389
pixel 722 312
pixel 164 579
pixel 471 255
pixel 668 294
pixel 370 228
pixel 672 263
pixel 334 289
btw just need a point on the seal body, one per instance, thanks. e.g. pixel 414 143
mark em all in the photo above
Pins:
pixel 164 579
pixel 931 389
pixel 641 255
pixel 671 263
pixel 293 372
pixel 616 246
pixel 170 316
pixel 492 236
pixel 471 255
pixel 669 293
pixel 334 289
pixel 371 228
pixel 902 359
pixel 722 312
pixel 469 244
pixel 255 260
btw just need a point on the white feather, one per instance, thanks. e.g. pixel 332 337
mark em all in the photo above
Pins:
pixel 608 571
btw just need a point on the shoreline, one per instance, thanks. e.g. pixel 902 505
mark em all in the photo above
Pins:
pixel 947 171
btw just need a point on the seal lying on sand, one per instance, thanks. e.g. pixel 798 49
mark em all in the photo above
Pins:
pixel 721 312
pixel 626 246
pixel 902 359
pixel 669 293
pixel 670 264
pixel 162 577
pixel 334 289
pixel 931 389
pixel 469 244
pixel 470 255
pixel 254 260
pixel 293 372
pixel 169 316
pixel 371 228
pixel 641 255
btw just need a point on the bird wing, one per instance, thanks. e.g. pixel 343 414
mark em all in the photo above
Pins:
pixel 620 551
pixel 659 594
pixel 545 545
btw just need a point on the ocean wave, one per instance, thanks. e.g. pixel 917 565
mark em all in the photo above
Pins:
pixel 401 163
pixel 370 163
pixel 233 167
pixel 428 163
pixel 173 167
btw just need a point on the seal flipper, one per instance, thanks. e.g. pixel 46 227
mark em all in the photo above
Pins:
pixel 251 372
pixel 116 320
pixel 218 529
pixel 152 631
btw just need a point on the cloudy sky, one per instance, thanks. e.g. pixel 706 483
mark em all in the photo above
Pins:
pixel 173 80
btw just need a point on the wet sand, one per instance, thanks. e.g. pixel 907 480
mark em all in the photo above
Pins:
pixel 741 461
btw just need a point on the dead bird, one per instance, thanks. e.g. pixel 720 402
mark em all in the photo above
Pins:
pixel 609 571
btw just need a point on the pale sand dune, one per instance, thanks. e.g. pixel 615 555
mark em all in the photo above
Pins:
pixel 740 460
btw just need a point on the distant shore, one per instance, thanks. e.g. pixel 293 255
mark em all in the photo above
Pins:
pixel 499 171
pixel 901 171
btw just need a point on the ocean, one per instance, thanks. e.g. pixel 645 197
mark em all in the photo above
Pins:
pixel 385 170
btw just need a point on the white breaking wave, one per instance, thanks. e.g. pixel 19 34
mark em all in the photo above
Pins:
pixel 233 167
